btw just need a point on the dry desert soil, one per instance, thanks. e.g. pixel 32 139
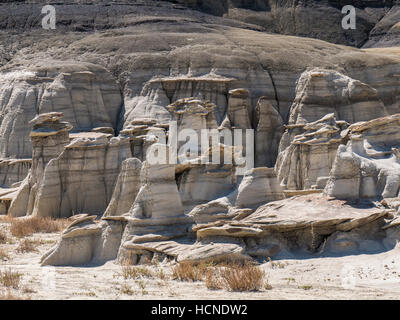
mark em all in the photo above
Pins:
pixel 366 276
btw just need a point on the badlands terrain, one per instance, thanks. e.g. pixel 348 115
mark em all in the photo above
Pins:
pixel 309 208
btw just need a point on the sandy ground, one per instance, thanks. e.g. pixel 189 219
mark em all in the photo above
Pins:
pixel 374 276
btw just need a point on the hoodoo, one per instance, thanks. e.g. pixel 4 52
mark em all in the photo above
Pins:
pixel 219 137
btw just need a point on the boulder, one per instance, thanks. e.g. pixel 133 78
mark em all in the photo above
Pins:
pixel 86 242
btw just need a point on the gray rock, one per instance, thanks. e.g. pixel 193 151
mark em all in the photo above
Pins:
pixel 269 129
pixel 86 94
pixel 310 154
pixel 320 92
pixel 126 188
pixel 368 166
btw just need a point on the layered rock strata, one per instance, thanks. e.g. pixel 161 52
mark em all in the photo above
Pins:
pixel 368 165
pixel 126 188
pixel 306 163
pixel 268 133
pixel 49 136
pixel 68 178
pixel 159 93
pixel 320 92
pixel 291 226
pixel 86 94
pixel 13 171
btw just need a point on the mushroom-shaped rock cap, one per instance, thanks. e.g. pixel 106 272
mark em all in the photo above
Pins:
pixel 46 117
pixel 108 130
pixel 191 105
pixel 365 125
pixel 48 124
pixel 239 93
pixel 143 121
pixel 322 131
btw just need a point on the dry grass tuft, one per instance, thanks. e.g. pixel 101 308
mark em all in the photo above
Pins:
pixel 188 271
pixel 27 245
pixel 10 279
pixel 132 272
pixel 6 219
pixel 3 237
pixel 233 277
pixel 274 265
pixel 3 254
pixel 126 289
pixel 160 274
pixel 305 287
pixel 28 290
pixel 242 277
pixel 213 281
pixel 267 286
pixel 26 227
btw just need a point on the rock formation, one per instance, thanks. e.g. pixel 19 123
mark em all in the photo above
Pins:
pixel 368 166
pixel 308 160
pixel 126 188
pixel 269 129
pixel 258 186
pixel 49 137
pixel 320 92
pixel 86 116
pixel 376 23
pixel 13 171
pixel 69 177
pixel 86 94
pixel 83 242
pixel 161 92
pixel 288 226
pixel 239 110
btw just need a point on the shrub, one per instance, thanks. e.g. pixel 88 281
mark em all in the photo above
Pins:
pixel 242 277
pixel 26 227
pixel 10 279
